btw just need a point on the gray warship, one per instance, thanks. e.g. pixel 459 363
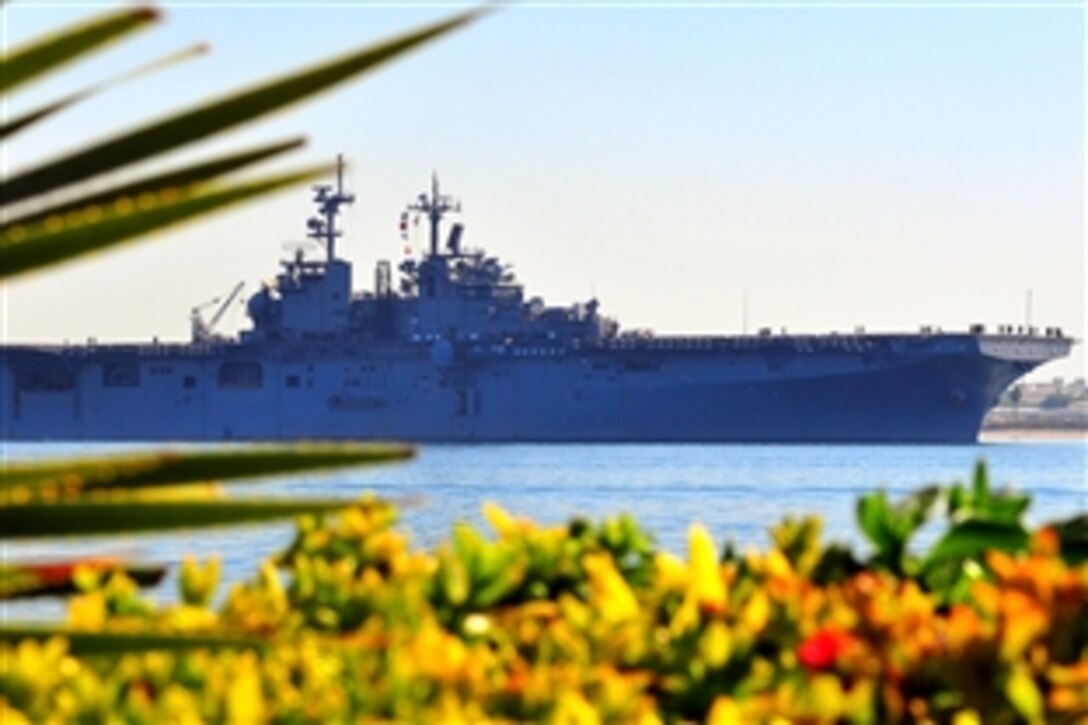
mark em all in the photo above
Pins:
pixel 454 351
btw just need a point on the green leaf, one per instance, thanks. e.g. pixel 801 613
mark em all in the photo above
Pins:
pixel 874 518
pixel 27 63
pixel 981 502
pixel 26 248
pixel 913 510
pixel 41 113
pixel 495 588
pixel 836 564
pixel 973 537
pixel 109 643
pixel 1073 537
pixel 187 466
pixel 1005 507
pixel 212 118
pixel 10 128
pixel 179 179
pixel 980 482
pixel 92 518
pixel 890 529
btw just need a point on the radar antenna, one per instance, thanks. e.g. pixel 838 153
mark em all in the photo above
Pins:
pixel 434 208
pixel 328 205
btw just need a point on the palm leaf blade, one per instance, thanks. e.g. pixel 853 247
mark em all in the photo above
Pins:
pixel 215 117
pixel 93 518
pixel 29 118
pixel 26 248
pixel 180 179
pixel 116 643
pixel 183 467
pixel 26 64
pixel 22 580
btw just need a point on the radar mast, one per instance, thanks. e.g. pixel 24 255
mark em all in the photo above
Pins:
pixel 434 208
pixel 328 205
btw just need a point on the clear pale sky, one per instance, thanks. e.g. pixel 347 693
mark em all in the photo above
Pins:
pixel 878 164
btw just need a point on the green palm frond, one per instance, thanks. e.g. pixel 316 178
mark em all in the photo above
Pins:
pixel 109 518
pixel 209 119
pixel 41 113
pixel 184 178
pixel 26 248
pixel 173 468
pixel 38 58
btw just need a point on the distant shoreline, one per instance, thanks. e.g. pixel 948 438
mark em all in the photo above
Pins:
pixel 995 435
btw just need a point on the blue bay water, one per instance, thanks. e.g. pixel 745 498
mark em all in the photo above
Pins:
pixel 737 491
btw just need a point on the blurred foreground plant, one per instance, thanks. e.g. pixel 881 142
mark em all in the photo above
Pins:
pixel 583 623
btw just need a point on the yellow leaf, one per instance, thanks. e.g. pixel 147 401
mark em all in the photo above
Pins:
pixel 966 717
pixel 685 619
pixel 245 701
pixel 609 592
pixel 87 612
pixel 573 709
pixel 706 580
pixel 669 572
pixel 827 695
pixel 503 523
pixel 756 612
pixel 777 564
pixel 859 703
pixel 10 716
pixel 724 711
pixel 716 644
pixel 1024 695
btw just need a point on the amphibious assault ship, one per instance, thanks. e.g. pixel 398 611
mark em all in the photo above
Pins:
pixel 454 351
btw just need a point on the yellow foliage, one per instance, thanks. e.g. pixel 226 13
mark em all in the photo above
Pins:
pixel 245 700
pixel 716 644
pixel 361 628
pixel 609 594
pixel 706 585
pixel 725 711
pixel 503 523
pixel 571 708
pixel 1024 694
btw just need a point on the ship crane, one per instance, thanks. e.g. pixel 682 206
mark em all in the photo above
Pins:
pixel 205 331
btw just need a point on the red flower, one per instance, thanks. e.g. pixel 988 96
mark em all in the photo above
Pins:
pixel 820 651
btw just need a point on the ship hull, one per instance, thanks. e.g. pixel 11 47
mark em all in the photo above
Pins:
pixel 900 389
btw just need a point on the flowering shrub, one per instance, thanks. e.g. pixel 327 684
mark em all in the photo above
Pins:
pixel 586 622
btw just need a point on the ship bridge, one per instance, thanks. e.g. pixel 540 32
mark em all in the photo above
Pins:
pixel 451 293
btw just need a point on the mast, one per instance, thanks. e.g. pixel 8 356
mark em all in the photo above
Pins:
pixel 328 206
pixel 434 208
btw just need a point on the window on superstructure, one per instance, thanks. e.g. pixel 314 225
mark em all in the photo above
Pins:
pixel 189 381
pixel 292 381
pixel 242 374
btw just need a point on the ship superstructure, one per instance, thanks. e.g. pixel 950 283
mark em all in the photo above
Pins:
pixel 453 351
